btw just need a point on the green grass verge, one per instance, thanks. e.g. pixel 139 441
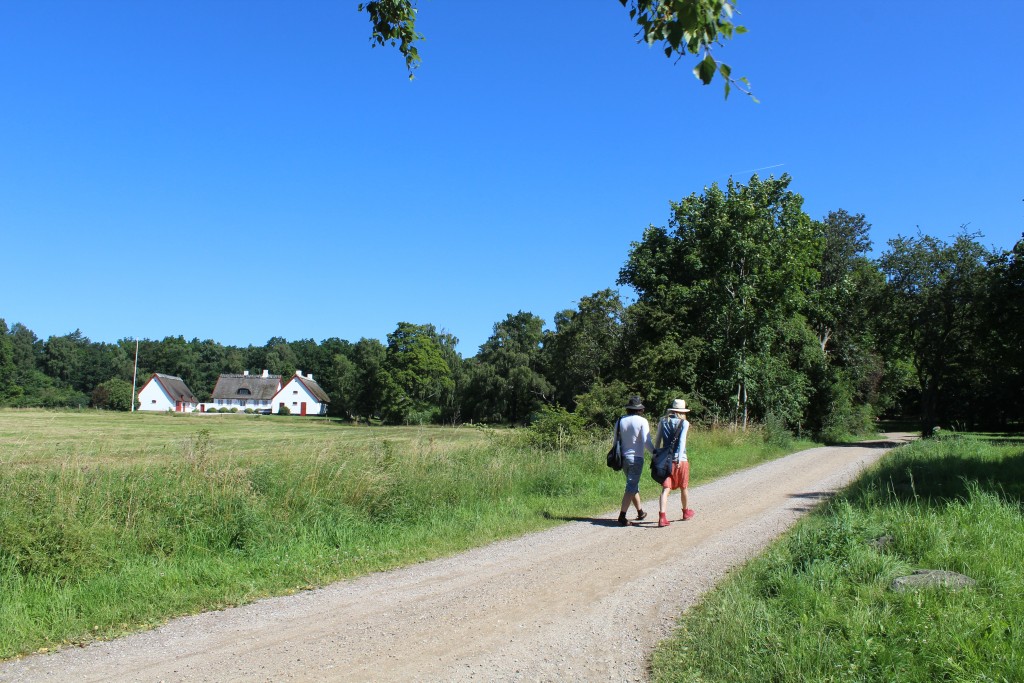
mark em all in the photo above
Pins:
pixel 115 522
pixel 818 606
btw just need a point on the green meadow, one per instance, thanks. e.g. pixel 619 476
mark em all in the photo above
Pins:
pixel 115 522
pixel 818 605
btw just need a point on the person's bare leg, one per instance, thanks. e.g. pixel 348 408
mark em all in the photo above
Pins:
pixel 663 506
pixel 685 499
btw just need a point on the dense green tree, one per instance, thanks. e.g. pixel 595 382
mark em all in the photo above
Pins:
pixel 62 356
pixel 307 355
pixel 171 356
pixel 584 347
pixel 936 296
pixel 841 309
pixel 114 394
pixel 280 359
pixel 838 299
pixel 211 360
pixel 101 361
pixel 419 379
pixel 337 373
pixel 8 370
pixel 603 403
pixel 28 352
pixel 507 379
pixel 1006 313
pixel 371 377
pixel 717 291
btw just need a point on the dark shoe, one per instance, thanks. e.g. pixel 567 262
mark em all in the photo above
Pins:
pixel 662 519
pixel 641 515
pixel 622 519
pixel 688 514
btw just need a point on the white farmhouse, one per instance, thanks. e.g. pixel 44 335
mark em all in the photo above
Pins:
pixel 166 392
pixel 302 396
pixel 245 391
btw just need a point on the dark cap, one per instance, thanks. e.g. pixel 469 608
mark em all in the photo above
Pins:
pixel 635 403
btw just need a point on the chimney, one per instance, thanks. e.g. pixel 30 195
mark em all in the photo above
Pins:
pixel 298 373
pixel 266 373
pixel 310 377
pixel 245 373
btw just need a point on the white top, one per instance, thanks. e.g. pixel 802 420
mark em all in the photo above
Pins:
pixel 634 436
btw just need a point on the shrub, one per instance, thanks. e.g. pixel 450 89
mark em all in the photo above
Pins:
pixel 602 405
pixel 234 410
pixel 553 427
pixel 284 410
pixel 775 432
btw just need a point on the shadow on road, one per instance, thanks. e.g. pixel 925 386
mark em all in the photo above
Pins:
pixel 882 443
pixel 813 498
pixel 596 521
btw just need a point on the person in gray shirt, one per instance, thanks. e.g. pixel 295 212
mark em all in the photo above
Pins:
pixel 634 437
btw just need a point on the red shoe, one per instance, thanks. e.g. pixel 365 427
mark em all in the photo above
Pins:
pixel 688 514
pixel 662 519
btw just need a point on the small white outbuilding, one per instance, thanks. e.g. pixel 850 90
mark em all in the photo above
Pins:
pixel 302 396
pixel 167 392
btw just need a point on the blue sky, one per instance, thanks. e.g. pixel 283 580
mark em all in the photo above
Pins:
pixel 165 167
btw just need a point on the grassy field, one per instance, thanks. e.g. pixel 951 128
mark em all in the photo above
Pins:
pixel 115 522
pixel 818 606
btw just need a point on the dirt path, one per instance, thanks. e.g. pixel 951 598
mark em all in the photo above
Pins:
pixel 586 601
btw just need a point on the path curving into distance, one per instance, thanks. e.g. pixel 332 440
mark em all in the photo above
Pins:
pixel 586 601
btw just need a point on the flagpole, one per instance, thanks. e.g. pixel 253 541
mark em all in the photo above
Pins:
pixel 135 372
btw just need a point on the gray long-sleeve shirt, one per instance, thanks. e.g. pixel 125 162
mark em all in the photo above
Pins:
pixel 634 436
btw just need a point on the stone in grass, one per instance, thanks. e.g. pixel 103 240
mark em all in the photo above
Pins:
pixel 931 578
pixel 882 542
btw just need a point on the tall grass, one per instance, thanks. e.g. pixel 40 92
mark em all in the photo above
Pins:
pixel 111 523
pixel 818 606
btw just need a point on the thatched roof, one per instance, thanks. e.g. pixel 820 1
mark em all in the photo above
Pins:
pixel 246 387
pixel 314 388
pixel 175 387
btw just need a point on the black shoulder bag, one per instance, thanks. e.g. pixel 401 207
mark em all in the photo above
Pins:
pixel 614 454
pixel 661 463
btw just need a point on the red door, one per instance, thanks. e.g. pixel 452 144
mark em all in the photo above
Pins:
pixel 303 408
pixel 177 406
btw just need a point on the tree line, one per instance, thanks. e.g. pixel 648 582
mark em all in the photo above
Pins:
pixel 746 306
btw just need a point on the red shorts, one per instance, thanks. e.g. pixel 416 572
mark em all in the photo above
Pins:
pixel 680 478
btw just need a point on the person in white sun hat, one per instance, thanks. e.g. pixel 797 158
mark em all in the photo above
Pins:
pixel 674 423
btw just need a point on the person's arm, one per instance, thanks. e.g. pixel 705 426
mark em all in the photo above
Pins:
pixel 645 434
pixel 681 446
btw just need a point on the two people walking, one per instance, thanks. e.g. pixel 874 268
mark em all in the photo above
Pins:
pixel 633 433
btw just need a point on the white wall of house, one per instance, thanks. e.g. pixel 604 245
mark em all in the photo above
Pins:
pixel 294 394
pixel 153 397
pixel 240 403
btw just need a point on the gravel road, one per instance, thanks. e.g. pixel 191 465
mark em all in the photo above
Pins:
pixel 586 601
